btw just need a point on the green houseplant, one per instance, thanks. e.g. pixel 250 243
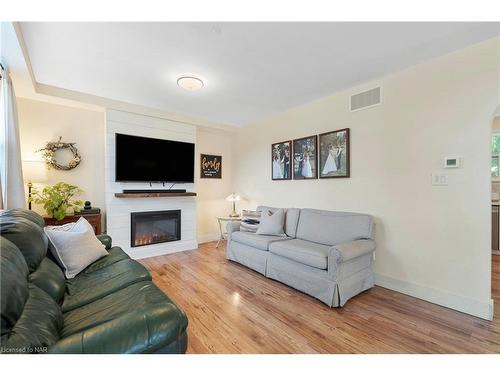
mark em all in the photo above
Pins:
pixel 57 199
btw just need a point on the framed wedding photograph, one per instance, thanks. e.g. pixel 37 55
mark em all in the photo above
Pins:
pixel 305 161
pixel 281 161
pixel 334 154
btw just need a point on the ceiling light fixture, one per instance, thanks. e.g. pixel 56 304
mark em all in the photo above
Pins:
pixel 190 83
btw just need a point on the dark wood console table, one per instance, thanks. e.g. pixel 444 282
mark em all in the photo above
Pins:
pixel 93 219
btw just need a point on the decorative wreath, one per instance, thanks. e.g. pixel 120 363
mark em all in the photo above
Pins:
pixel 49 153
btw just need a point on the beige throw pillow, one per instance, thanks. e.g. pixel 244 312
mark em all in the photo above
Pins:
pixel 75 246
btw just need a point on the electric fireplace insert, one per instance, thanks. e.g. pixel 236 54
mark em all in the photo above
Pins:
pixel 148 228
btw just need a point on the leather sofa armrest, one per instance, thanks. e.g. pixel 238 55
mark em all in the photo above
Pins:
pixel 232 226
pixel 128 334
pixel 106 240
pixel 347 251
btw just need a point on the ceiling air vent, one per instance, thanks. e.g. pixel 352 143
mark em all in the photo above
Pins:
pixel 366 99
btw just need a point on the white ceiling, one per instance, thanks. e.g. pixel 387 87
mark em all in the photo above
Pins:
pixel 251 70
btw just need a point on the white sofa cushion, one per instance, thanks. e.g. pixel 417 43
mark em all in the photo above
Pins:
pixel 305 252
pixel 272 223
pixel 75 246
pixel 291 218
pixel 258 241
pixel 331 227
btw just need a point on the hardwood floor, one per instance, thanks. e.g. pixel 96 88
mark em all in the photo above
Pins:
pixel 232 309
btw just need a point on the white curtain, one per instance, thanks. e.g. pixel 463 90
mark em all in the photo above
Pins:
pixel 11 175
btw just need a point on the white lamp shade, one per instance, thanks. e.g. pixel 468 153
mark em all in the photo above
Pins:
pixel 233 197
pixel 34 171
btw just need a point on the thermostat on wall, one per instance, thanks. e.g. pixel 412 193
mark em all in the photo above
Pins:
pixel 452 162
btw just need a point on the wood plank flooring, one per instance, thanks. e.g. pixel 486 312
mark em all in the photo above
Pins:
pixel 232 309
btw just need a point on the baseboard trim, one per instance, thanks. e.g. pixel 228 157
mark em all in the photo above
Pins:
pixel 208 237
pixel 463 304
pixel 162 249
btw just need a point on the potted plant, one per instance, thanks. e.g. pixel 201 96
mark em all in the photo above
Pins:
pixel 57 199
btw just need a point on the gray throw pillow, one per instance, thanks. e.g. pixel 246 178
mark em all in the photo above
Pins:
pixel 75 246
pixel 272 223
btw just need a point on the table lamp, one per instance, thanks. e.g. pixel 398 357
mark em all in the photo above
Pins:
pixel 233 198
pixel 33 171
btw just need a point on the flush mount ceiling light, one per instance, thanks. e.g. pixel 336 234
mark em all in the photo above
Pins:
pixel 190 83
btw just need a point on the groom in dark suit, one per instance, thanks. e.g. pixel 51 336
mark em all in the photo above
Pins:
pixel 286 164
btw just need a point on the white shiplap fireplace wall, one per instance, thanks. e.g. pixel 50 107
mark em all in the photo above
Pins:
pixel 118 210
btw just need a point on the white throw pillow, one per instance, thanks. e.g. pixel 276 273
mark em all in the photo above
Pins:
pixel 272 223
pixel 75 246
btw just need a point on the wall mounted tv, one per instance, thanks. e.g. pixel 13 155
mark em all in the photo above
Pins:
pixel 140 159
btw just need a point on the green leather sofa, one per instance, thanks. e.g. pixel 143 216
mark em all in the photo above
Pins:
pixel 110 307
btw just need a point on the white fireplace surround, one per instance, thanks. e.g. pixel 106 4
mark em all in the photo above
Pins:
pixel 118 210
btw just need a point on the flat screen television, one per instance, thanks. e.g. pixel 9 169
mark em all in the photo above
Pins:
pixel 141 159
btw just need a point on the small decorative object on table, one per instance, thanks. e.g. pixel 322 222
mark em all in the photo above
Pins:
pixel 233 198
pixel 87 209
pixel 57 199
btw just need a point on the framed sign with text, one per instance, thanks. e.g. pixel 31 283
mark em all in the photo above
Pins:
pixel 211 166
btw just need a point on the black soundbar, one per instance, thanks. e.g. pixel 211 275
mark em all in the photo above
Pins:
pixel 154 191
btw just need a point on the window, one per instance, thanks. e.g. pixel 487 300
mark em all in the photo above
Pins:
pixel 495 155
pixel 494 166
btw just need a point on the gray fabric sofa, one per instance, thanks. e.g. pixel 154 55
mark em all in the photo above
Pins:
pixel 326 254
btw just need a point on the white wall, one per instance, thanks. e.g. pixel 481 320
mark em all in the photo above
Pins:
pixel 433 242
pixel 40 122
pixel 212 192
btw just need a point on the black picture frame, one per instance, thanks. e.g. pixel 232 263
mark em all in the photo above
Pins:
pixel 210 166
pixel 334 154
pixel 305 158
pixel 280 159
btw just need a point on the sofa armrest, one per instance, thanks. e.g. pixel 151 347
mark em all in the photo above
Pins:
pixel 232 226
pixel 353 249
pixel 141 332
pixel 346 251
pixel 106 240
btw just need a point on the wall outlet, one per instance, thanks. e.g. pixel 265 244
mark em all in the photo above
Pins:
pixel 439 179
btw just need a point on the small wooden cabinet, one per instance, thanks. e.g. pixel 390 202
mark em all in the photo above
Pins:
pixel 93 219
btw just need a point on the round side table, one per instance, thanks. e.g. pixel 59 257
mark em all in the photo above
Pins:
pixel 220 220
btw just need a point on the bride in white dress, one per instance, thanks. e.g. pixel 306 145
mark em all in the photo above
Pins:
pixel 306 167
pixel 330 165
pixel 277 172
